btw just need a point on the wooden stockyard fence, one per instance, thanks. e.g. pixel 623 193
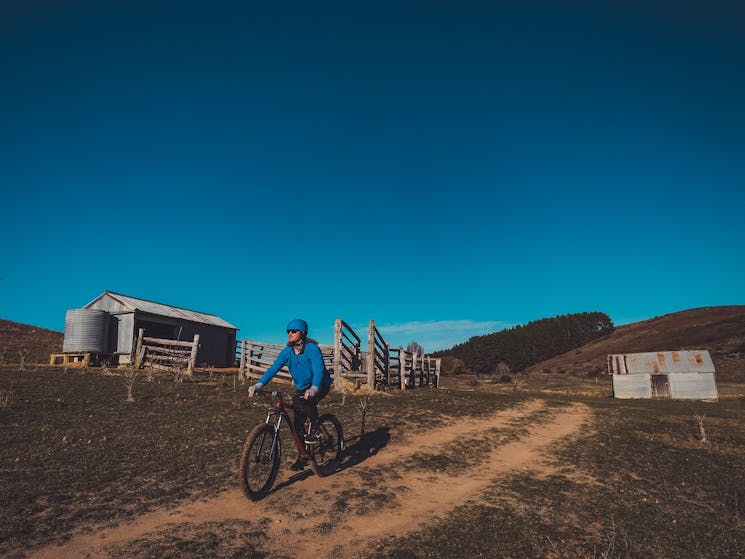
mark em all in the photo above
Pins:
pixel 380 367
pixel 166 354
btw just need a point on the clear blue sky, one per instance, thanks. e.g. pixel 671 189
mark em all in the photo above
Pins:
pixel 444 168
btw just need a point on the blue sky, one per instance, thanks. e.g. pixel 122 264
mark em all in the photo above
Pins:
pixel 447 169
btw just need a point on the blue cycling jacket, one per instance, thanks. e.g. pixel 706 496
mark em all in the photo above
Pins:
pixel 307 368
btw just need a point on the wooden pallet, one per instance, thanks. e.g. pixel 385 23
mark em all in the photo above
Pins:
pixel 70 359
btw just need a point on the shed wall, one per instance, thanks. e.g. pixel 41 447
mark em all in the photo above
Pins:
pixel 693 385
pixel 109 305
pixel 124 325
pixel 632 386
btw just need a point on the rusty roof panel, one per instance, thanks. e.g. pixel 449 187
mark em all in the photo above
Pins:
pixel 661 362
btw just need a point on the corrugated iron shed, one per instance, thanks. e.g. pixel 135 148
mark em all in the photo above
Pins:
pixel 672 374
pixel 150 307
pixel 128 315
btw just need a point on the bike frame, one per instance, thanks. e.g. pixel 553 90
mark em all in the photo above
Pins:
pixel 279 413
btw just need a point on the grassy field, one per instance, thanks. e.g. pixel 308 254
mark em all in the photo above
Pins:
pixel 640 483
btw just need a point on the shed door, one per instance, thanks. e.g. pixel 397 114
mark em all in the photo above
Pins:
pixel 660 386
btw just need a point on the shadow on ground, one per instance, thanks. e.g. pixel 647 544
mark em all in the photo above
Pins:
pixel 357 450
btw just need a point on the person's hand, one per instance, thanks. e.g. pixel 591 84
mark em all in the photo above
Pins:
pixel 252 389
pixel 312 391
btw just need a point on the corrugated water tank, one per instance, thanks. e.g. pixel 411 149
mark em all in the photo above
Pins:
pixel 86 330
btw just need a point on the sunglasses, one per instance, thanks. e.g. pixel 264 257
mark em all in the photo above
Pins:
pixel 293 331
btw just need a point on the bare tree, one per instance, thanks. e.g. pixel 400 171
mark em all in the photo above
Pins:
pixel 364 407
pixel 700 420
pixel 6 396
pixel 414 347
pixel 130 374
pixel 23 355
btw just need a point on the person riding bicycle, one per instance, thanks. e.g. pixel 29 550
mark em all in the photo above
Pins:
pixel 303 358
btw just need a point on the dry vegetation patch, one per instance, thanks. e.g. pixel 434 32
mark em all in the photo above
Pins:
pixel 157 477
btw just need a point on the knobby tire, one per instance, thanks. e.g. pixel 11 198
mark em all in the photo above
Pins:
pixel 325 459
pixel 259 463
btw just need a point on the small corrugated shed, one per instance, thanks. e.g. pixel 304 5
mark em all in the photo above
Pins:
pixel 129 314
pixel 663 374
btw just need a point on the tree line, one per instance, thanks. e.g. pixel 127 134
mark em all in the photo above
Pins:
pixel 522 346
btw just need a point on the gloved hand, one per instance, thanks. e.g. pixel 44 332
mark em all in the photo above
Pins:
pixel 253 389
pixel 312 391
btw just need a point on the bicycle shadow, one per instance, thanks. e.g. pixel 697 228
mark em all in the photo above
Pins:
pixel 356 450
pixel 360 448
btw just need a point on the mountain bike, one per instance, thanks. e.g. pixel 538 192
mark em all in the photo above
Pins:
pixel 321 445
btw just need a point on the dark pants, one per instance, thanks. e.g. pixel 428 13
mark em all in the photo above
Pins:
pixel 307 409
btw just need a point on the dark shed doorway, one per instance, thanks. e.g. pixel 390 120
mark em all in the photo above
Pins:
pixel 660 386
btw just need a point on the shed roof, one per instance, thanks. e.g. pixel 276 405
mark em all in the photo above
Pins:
pixel 151 307
pixel 661 362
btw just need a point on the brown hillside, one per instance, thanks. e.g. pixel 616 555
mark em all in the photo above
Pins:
pixel 721 330
pixel 39 342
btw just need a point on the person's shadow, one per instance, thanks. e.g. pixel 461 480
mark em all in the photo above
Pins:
pixel 356 450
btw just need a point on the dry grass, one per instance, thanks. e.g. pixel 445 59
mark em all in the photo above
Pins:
pixel 75 454
pixel 641 483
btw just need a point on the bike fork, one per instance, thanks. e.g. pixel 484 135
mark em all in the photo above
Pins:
pixel 275 438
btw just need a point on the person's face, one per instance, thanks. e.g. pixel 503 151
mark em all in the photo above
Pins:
pixel 294 336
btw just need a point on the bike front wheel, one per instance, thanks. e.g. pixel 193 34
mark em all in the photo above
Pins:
pixel 326 455
pixel 260 461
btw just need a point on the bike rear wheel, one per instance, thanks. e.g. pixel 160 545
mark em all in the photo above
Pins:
pixel 326 455
pixel 260 461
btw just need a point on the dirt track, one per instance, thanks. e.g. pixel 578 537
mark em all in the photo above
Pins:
pixel 419 495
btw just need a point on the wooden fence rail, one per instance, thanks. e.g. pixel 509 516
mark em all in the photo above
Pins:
pixel 170 354
pixel 378 361
pixel 257 357
pixel 347 353
pixel 379 367
pixel 394 367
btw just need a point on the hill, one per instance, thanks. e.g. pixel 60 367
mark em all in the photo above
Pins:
pixel 39 342
pixel 721 330
pixel 522 346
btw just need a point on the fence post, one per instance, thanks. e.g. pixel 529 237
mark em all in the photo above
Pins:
pixel 337 353
pixel 420 367
pixel 242 366
pixel 371 357
pixel 193 356
pixel 401 367
pixel 387 363
pixel 250 351
pixel 438 361
pixel 138 348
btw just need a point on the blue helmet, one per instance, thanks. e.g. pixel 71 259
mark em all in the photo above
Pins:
pixel 298 324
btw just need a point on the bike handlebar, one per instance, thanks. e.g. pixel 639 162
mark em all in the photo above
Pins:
pixel 279 393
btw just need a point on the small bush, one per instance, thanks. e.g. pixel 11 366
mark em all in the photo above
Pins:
pixel 6 397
